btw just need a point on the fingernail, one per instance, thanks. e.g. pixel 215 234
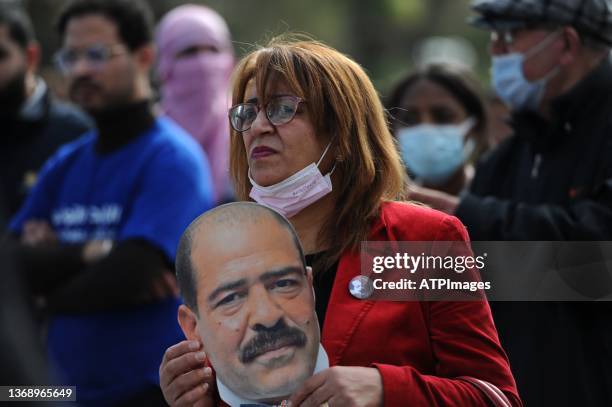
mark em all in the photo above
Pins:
pixel 194 345
pixel 200 356
pixel 207 371
pixel 205 386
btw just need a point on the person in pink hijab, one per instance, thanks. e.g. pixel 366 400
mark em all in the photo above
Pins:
pixel 196 59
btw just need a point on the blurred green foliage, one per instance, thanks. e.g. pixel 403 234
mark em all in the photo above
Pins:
pixel 379 34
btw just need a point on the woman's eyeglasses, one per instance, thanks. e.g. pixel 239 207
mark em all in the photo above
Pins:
pixel 279 110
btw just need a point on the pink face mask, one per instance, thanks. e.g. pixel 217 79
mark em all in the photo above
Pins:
pixel 195 94
pixel 295 193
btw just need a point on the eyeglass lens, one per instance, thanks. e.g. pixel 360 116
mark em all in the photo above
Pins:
pixel 95 55
pixel 279 110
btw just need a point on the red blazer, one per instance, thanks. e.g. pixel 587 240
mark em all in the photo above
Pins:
pixel 419 348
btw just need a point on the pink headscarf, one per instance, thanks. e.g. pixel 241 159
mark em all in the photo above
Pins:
pixel 195 88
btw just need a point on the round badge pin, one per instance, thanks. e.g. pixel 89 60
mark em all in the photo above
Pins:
pixel 361 287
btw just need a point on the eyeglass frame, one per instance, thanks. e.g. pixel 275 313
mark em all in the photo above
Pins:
pixel 509 34
pixel 111 51
pixel 296 99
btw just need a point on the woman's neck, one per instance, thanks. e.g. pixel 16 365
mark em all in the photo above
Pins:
pixel 309 221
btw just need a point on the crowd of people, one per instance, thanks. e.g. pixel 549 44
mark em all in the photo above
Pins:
pixel 117 212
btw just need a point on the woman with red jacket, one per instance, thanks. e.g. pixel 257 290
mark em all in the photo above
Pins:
pixel 310 139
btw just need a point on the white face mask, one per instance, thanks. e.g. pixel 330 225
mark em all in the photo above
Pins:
pixel 295 193
pixel 509 80
pixel 433 153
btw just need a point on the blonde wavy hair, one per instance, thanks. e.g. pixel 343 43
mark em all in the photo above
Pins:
pixel 343 102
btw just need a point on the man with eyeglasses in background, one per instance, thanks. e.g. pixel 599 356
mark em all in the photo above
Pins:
pixel 100 230
pixel 32 122
pixel 551 181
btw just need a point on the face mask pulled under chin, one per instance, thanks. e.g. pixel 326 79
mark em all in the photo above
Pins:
pixel 510 83
pixel 295 193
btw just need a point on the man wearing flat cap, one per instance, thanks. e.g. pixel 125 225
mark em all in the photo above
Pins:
pixel 551 181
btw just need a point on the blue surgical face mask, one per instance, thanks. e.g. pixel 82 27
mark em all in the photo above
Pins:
pixel 509 80
pixel 433 153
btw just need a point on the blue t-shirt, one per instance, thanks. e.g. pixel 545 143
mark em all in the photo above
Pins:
pixel 150 189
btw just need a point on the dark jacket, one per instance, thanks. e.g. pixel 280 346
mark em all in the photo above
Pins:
pixel 25 145
pixel 553 181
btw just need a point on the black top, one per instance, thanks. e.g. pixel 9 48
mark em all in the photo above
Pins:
pixel 323 282
pixel 119 125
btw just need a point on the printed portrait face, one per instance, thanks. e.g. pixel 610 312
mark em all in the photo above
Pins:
pixel 255 300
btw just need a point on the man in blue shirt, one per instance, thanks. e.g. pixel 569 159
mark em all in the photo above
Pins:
pixel 100 229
